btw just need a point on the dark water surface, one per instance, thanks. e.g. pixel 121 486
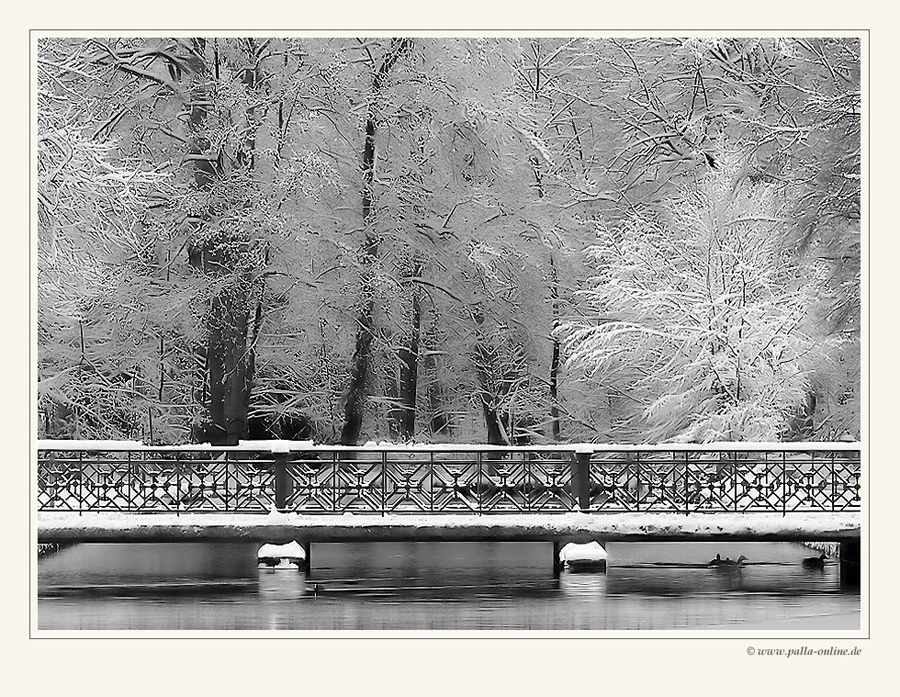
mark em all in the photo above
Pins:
pixel 439 586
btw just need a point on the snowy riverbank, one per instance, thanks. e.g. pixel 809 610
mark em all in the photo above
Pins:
pixel 831 549
pixel 48 548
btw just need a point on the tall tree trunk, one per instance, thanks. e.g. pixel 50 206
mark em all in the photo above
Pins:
pixel 409 372
pixel 492 422
pixel 230 370
pixel 554 391
pixel 402 416
pixel 360 364
pixel 485 366
pixel 230 362
pixel 554 298
pixel 362 351
pixel 554 355
pixel 440 422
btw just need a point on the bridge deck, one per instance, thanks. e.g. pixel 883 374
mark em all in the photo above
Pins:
pixel 281 527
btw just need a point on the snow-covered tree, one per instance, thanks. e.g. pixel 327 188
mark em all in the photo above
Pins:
pixel 355 238
pixel 699 315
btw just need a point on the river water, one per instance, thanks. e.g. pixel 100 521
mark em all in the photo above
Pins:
pixel 442 586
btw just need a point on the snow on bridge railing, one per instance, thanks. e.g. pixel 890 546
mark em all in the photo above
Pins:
pixel 284 446
pixel 302 477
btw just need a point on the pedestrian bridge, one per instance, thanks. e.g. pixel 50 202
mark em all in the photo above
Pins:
pixel 282 490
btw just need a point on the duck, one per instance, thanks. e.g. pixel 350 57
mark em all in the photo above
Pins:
pixel 815 562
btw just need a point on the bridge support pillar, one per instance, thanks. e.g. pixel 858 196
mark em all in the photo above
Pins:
pixel 590 556
pixel 850 562
pixel 557 564
pixel 307 548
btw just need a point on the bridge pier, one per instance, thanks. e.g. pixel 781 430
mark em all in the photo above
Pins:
pixel 850 562
pixel 557 564
pixel 584 556
pixel 307 549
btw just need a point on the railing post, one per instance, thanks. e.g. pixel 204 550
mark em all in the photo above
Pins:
pixel 384 466
pixel 637 479
pixel 580 467
pixel 734 480
pixel 431 481
pixel 227 489
pixel 833 484
pixel 130 484
pixel 478 458
pixel 334 480
pixel 526 480
pixel 281 481
pixel 177 483
pixel 80 481
pixel 783 483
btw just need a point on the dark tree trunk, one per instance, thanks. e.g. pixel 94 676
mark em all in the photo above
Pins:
pixel 230 372
pixel 230 362
pixel 409 373
pixel 554 355
pixel 402 417
pixel 492 421
pixel 228 356
pixel 554 390
pixel 354 404
pixel 360 365
pixel 488 409
pixel 439 421
pixel 359 378
pixel 554 297
pixel 485 367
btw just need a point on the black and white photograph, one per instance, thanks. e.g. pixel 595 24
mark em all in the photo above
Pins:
pixel 442 332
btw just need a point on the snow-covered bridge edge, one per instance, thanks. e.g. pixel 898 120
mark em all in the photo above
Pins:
pixel 570 527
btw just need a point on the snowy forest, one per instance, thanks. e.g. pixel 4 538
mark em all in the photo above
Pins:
pixel 502 241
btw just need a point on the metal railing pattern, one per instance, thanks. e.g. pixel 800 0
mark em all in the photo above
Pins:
pixel 321 480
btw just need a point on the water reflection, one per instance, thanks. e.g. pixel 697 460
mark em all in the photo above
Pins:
pixel 438 586
pixel 583 584
pixel 281 584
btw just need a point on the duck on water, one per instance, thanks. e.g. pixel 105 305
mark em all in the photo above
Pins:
pixel 815 562
pixel 808 562
pixel 727 562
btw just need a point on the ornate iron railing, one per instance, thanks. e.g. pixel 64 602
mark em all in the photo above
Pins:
pixel 316 480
